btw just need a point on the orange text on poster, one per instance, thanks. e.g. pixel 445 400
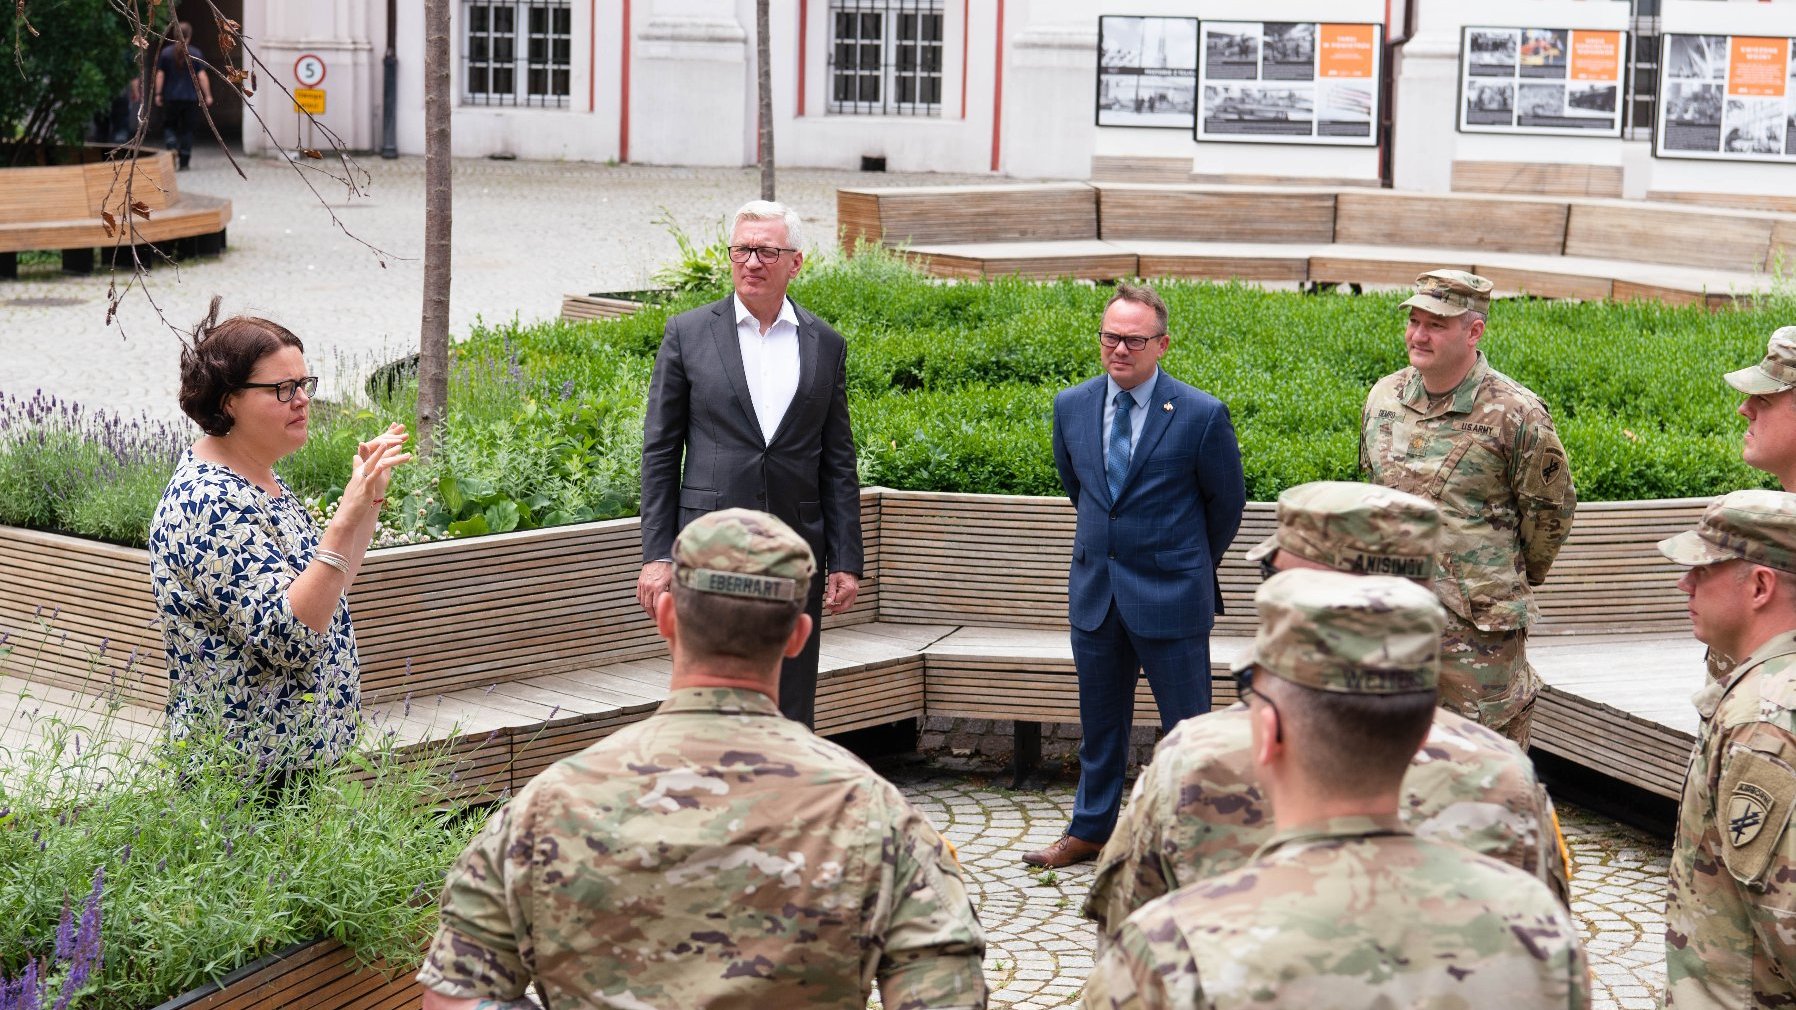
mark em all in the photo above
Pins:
pixel 1596 56
pixel 1344 50
pixel 1756 66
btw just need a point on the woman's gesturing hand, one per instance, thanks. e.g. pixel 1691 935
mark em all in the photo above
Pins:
pixel 374 463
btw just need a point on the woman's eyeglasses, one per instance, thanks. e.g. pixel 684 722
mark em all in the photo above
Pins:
pixel 284 389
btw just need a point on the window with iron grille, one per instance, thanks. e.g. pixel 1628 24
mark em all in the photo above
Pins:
pixel 885 57
pixel 1643 70
pixel 516 52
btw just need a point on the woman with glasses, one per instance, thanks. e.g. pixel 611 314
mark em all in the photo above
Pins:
pixel 252 594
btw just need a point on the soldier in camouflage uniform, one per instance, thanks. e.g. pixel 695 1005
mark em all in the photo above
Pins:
pixel 1730 919
pixel 1481 446
pixel 1343 907
pixel 1197 810
pixel 715 854
pixel 1770 408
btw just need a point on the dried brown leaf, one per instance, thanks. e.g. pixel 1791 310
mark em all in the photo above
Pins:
pixel 311 152
pixel 110 223
pixel 141 209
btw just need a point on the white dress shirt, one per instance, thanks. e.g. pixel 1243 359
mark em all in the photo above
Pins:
pixel 770 362
pixel 1142 394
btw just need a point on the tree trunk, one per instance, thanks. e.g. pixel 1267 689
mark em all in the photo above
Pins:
pixel 764 95
pixel 433 339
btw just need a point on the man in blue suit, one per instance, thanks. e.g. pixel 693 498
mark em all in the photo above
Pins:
pixel 1154 470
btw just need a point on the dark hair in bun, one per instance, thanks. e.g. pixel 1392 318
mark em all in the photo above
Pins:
pixel 219 360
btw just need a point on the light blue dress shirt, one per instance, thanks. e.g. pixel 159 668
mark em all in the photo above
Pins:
pixel 1142 394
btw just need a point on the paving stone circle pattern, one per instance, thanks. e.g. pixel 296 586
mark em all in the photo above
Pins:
pixel 1039 949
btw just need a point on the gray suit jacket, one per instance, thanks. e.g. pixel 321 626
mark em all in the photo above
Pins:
pixel 699 407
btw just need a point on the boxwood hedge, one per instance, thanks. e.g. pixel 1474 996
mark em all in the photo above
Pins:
pixel 950 388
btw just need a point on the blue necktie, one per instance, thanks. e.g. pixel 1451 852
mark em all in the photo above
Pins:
pixel 1117 459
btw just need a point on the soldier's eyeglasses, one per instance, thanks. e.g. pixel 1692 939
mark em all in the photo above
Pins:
pixel 284 389
pixel 1244 690
pixel 765 253
pixel 1135 343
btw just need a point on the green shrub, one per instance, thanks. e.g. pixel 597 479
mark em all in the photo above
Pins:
pixel 201 872
pixel 950 386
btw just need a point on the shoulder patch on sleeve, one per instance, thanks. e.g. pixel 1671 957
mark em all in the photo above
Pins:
pixel 1548 477
pixel 1752 810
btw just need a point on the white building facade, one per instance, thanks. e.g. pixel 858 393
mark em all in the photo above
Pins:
pixel 1009 87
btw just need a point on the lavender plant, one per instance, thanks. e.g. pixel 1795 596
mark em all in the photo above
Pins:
pixel 73 961
pixel 189 862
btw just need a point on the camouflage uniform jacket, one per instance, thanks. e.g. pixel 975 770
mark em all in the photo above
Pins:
pixel 1730 919
pixel 1489 457
pixel 1350 913
pixel 715 854
pixel 1197 812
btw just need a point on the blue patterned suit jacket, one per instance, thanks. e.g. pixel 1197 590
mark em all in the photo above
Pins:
pixel 1154 550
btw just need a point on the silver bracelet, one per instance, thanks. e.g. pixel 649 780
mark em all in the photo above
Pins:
pixel 333 559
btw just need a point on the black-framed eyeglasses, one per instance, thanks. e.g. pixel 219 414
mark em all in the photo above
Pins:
pixel 1135 343
pixel 766 253
pixel 1244 689
pixel 284 389
pixel 1267 568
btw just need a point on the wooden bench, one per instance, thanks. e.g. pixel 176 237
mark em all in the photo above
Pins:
pixel 59 207
pixel 1526 178
pixel 509 652
pixel 1551 247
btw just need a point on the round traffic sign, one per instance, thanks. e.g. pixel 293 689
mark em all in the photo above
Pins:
pixel 308 70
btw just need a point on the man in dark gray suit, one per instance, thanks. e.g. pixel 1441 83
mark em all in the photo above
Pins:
pixel 752 391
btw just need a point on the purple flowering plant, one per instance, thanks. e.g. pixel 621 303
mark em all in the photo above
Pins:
pixel 191 864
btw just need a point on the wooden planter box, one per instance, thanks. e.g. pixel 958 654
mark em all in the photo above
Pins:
pixel 430 617
pixel 320 975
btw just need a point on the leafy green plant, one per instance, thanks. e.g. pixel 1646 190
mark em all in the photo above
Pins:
pixel 202 870
pixel 700 268
pixel 57 76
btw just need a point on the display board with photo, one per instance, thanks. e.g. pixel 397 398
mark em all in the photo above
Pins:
pixel 1542 80
pixel 1289 82
pixel 1727 97
pixel 1147 72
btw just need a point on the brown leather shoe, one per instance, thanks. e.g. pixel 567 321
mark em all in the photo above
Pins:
pixel 1065 851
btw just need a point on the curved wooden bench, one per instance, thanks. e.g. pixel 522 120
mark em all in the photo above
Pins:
pixel 513 651
pixel 1555 247
pixel 60 207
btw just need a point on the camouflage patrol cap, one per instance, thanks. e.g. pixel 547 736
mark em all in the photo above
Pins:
pixel 1358 528
pixel 1352 634
pixel 740 552
pixel 1450 293
pixel 1776 372
pixel 1756 525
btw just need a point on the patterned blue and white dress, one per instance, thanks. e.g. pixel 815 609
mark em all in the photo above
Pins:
pixel 222 554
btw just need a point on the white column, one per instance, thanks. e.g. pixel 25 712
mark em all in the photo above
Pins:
pixel 1427 101
pixel 343 34
pixel 1048 92
pixel 692 85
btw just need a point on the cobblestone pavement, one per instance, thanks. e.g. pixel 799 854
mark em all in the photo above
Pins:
pixel 525 233
pixel 1039 950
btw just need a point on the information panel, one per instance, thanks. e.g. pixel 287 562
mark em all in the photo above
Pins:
pixel 1285 82
pixel 1147 71
pixel 1727 97
pixel 1566 81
